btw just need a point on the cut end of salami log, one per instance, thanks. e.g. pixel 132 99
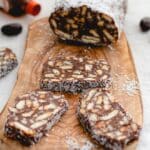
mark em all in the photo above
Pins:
pixel 33 115
pixel 74 74
pixel 106 121
pixel 96 22
pixel 8 61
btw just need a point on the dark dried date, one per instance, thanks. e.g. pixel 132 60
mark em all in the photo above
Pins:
pixel 145 24
pixel 12 29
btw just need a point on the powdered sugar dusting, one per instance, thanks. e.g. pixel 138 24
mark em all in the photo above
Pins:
pixel 125 83
pixel 130 87
pixel 87 146
pixel 73 144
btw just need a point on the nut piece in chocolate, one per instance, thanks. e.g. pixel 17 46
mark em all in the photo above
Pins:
pixel 8 61
pixel 33 115
pixel 106 121
pixel 89 22
pixel 74 74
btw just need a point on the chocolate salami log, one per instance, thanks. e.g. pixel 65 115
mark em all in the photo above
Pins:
pixel 33 116
pixel 74 74
pixel 8 61
pixel 96 22
pixel 106 121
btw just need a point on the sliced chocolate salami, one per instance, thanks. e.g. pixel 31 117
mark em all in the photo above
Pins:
pixel 33 116
pixel 8 61
pixel 106 121
pixel 75 74
pixel 96 22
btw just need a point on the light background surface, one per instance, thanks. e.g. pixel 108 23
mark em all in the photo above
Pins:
pixel 139 43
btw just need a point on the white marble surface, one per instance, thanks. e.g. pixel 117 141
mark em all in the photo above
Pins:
pixel 139 43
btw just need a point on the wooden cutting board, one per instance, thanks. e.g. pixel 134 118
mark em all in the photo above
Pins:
pixel 68 134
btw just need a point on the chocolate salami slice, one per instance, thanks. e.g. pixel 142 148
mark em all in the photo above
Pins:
pixel 96 22
pixel 106 121
pixel 74 74
pixel 8 61
pixel 33 116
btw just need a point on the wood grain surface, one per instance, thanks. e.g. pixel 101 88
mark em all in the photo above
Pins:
pixel 67 134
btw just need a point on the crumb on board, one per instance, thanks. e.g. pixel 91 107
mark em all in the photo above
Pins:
pixel 112 48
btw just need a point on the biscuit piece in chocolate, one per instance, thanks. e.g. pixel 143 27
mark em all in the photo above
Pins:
pixel 96 22
pixel 8 61
pixel 75 74
pixel 33 116
pixel 106 121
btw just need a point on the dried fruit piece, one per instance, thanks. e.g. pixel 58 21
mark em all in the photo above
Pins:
pixel 106 121
pixel 30 119
pixel 89 22
pixel 74 74
pixel 12 29
pixel 145 24
pixel 8 61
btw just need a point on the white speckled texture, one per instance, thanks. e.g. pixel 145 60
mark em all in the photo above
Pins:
pixel 139 43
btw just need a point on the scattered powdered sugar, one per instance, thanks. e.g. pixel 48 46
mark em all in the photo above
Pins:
pixel 125 83
pixel 73 144
pixel 130 87
pixel 87 146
